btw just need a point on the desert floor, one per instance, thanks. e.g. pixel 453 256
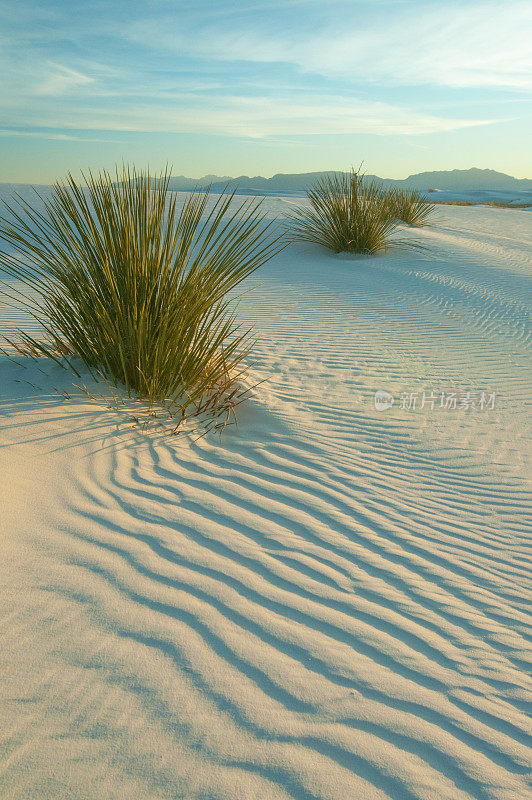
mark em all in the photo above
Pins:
pixel 332 603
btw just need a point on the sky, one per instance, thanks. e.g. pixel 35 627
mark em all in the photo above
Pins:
pixel 256 88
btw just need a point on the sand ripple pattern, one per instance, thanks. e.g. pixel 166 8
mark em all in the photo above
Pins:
pixel 334 604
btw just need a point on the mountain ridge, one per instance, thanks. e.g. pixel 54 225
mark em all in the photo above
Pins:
pixel 468 179
pixel 472 179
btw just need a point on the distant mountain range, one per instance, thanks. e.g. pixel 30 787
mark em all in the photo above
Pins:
pixel 445 180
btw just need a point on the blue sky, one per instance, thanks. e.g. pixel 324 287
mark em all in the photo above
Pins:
pixel 262 87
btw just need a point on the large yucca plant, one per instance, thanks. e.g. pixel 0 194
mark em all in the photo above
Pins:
pixel 346 214
pixel 410 207
pixel 135 286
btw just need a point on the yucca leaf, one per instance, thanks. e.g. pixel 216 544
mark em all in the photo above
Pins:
pixel 410 207
pixel 134 285
pixel 346 214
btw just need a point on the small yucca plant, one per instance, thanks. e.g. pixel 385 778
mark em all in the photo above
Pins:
pixel 135 287
pixel 410 207
pixel 346 214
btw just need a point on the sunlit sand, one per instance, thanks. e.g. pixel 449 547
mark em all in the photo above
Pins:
pixel 330 603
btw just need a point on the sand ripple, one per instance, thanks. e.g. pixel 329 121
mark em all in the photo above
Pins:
pixel 335 602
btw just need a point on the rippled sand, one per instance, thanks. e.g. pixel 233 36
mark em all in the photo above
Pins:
pixel 331 604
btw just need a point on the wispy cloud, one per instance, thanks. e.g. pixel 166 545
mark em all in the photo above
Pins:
pixel 60 137
pixel 254 117
pixel 61 80
pixel 262 69
pixel 449 44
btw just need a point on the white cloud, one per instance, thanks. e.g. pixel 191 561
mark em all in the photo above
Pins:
pixel 468 44
pixel 175 82
pixel 254 117
pixel 61 137
pixel 61 80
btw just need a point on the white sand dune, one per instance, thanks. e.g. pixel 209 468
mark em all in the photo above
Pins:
pixel 331 604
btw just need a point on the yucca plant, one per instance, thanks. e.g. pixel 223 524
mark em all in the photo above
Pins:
pixel 346 214
pixel 410 207
pixel 135 287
